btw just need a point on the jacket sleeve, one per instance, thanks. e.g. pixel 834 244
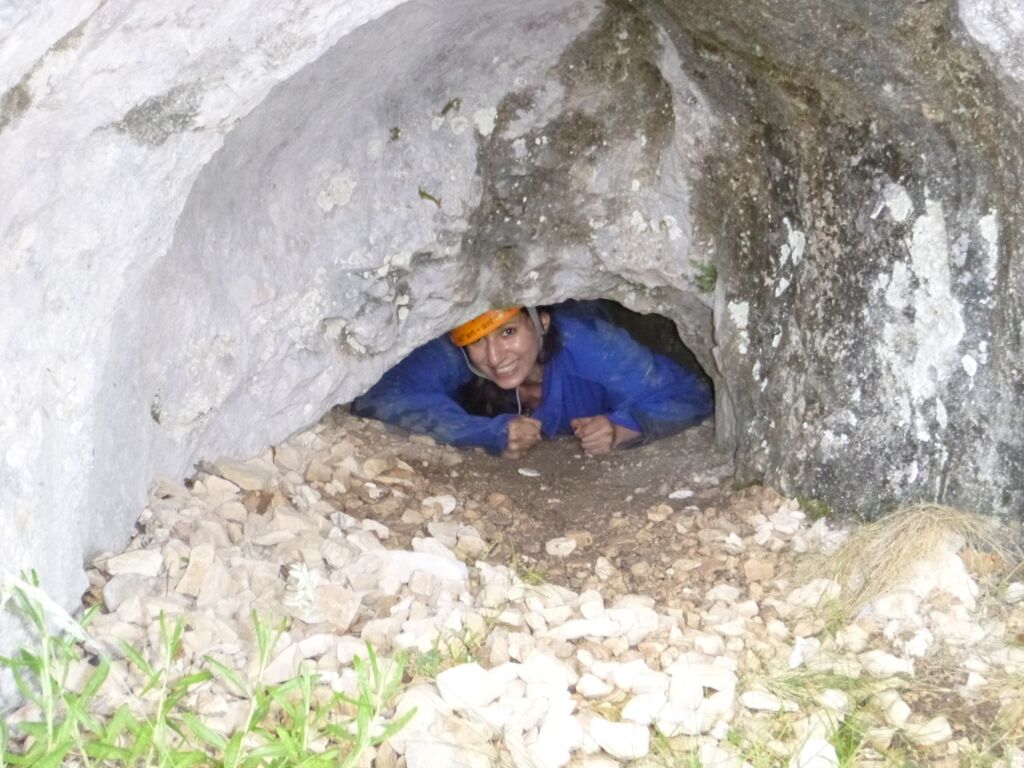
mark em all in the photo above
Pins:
pixel 419 394
pixel 644 391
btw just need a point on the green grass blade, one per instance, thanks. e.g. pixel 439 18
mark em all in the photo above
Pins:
pixel 226 673
pixel 101 750
pixel 394 726
pixel 144 666
pixel 203 732
pixel 96 680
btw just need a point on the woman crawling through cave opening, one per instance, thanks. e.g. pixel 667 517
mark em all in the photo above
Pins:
pixel 512 377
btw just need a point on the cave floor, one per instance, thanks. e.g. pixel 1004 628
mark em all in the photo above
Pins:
pixel 607 594
pixel 616 507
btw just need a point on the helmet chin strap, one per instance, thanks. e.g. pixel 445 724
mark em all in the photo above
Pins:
pixel 532 312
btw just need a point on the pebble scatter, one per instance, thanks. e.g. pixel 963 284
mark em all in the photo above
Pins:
pixel 357 535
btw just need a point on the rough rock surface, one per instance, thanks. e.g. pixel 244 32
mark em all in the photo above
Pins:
pixel 218 223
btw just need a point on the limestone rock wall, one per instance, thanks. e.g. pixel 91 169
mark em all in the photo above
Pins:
pixel 867 217
pixel 217 222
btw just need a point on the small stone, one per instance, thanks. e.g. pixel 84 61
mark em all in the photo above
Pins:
pixel 543 668
pixel 374 466
pixel 835 699
pixel 560 734
pixel 659 513
pixel 592 687
pixel 724 592
pixel 199 561
pixel 881 664
pixel 815 594
pixel 635 676
pixel 758 570
pixel 217 585
pixel 471 546
pixel 251 475
pixel 604 569
pixel 139 562
pixel 123 588
pixel 710 645
pixel 528 472
pixel 440 505
pixel 581 537
pixel 682 493
pixel 1014 593
pixel 318 472
pixel 284 666
pixel 815 753
pixel 288 457
pixel 929 733
pixel 734 545
pixel 412 517
pixel 853 638
pixel 760 701
pixel 894 708
pixel 234 511
pixel 560 547
pixel 623 741
pixel 640 569
pixel 468 687
pixel 645 708
pixel 337 604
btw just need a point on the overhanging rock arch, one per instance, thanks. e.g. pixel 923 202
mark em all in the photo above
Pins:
pixel 852 180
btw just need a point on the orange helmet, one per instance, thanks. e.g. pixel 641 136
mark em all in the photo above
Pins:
pixel 480 326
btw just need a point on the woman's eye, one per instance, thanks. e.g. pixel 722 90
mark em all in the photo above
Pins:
pixel 508 331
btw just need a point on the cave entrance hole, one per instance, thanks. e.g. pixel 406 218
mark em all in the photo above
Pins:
pixel 556 493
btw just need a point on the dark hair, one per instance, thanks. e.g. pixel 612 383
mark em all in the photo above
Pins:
pixel 482 397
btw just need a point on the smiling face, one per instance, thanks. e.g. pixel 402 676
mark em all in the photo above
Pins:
pixel 508 355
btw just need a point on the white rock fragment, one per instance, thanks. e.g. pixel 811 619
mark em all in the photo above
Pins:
pixel 139 562
pixel 881 664
pixel 645 708
pixel 528 472
pixel 560 734
pixel 623 741
pixel 468 687
pixel 681 493
pixel 123 588
pixel 929 733
pixel 894 709
pixel 443 505
pixel 815 753
pixel 814 594
pixel 1013 593
pixel 251 475
pixel 200 560
pixel 592 687
pixel 604 569
pixel 542 668
pixel 724 592
pixel 760 701
pixel 560 546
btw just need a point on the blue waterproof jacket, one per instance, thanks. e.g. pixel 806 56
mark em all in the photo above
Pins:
pixel 599 370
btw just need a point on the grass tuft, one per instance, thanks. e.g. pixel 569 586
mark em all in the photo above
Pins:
pixel 300 722
pixel 878 557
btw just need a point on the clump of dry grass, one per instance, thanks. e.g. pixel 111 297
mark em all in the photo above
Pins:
pixel 878 557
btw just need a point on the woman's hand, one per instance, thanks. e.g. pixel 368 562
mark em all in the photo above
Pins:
pixel 598 434
pixel 523 434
